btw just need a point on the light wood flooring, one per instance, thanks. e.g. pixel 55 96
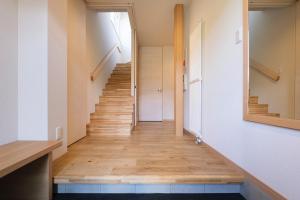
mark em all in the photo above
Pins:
pixel 152 154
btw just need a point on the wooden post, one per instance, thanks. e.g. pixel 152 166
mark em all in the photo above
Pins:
pixel 179 66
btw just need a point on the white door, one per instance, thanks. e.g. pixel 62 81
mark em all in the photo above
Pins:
pixel 150 84
pixel 195 82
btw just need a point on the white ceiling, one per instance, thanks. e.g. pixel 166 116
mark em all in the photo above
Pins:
pixel 154 19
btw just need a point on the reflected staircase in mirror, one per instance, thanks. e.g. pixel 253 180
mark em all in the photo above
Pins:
pixel 114 112
pixel 259 109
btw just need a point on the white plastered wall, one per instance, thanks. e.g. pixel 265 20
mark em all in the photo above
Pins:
pixel 78 71
pixel 101 38
pixel 42 70
pixel 269 153
pixel 8 71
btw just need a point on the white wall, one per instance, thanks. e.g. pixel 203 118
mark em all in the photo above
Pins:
pixel 33 70
pixel 125 37
pixel 8 71
pixel 57 71
pixel 78 71
pixel 277 51
pixel 269 153
pixel 168 83
pixel 100 39
pixel 42 70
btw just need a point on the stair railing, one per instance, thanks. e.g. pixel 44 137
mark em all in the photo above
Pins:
pixel 104 60
pixel 267 71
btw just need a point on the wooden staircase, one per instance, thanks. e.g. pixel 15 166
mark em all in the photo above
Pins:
pixel 259 109
pixel 114 112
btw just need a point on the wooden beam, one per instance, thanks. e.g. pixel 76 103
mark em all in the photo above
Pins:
pixel 179 66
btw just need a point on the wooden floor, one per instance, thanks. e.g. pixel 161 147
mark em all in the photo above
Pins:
pixel 152 154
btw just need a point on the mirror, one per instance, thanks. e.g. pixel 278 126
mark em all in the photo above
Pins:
pixel 274 60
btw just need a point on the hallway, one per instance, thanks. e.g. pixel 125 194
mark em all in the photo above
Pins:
pixel 152 154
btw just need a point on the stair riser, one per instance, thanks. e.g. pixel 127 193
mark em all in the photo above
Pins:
pixel 117 90
pixel 120 77
pixel 110 99
pixel 258 110
pixel 108 109
pixel 125 91
pixel 113 103
pixel 112 93
pixel 109 131
pixel 119 82
pixel 106 117
pixel 121 73
pixel 112 110
pixel 253 100
pixel 123 67
pixel 111 121
pixel 115 80
pixel 125 87
pixel 118 85
pixel 95 134
pixel 109 126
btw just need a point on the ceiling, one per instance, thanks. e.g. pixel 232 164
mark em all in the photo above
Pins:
pixel 153 19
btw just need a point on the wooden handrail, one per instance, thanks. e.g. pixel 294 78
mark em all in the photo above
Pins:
pixel 99 67
pixel 195 81
pixel 265 4
pixel 270 73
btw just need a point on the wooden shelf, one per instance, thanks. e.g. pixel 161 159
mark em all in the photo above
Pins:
pixel 18 154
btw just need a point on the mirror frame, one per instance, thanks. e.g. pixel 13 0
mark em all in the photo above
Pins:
pixel 279 122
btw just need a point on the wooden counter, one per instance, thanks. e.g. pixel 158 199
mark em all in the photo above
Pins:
pixel 26 169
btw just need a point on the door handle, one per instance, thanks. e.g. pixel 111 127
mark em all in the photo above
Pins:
pixel 158 90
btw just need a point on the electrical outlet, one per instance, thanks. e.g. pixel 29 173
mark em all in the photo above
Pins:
pixel 59 133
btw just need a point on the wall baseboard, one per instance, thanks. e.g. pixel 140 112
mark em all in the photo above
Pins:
pixel 251 183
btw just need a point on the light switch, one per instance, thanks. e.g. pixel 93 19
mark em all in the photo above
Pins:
pixel 239 36
pixel 59 133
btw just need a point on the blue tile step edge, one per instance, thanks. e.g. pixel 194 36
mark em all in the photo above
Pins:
pixel 147 188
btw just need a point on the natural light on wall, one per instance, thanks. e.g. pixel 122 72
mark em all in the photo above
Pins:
pixel 121 24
